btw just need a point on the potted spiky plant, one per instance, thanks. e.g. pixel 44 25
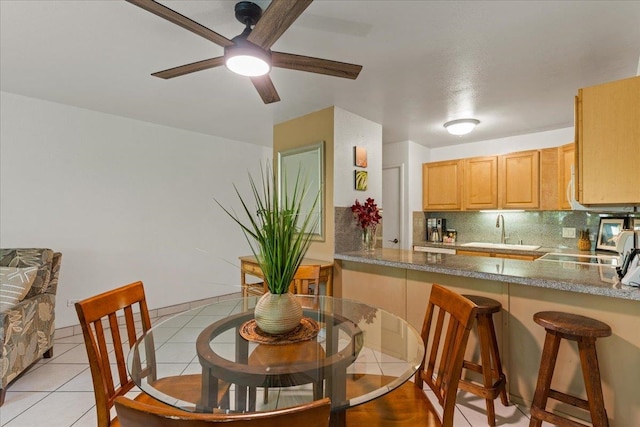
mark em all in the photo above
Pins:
pixel 279 233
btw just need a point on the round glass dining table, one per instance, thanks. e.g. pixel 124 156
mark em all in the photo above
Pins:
pixel 227 371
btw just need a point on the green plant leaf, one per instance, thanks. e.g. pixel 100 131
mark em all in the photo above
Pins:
pixel 278 233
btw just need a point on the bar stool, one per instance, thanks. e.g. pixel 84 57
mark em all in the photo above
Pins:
pixel 584 330
pixel 493 379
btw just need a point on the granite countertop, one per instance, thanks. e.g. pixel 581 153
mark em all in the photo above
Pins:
pixel 581 278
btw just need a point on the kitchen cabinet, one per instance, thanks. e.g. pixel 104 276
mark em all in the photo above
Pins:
pixel 566 160
pixel 481 183
pixel 519 180
pixel 442 185
pixel 608 143
pixel 549 178
pixel 555 176
pixel 525 257
pixel 509 181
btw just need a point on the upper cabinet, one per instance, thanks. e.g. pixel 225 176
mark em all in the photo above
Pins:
pixel 510 181
pixel 442 186
pixel 608 143
pixel 566 160
pixel 555 176
pixel 481 183
pixel 519 180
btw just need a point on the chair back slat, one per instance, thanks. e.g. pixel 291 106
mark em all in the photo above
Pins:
pixel 445 346
pixel 134 414
pixel 104 310
pixel 306 275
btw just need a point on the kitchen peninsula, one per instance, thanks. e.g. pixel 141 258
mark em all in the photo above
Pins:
pixel 400 281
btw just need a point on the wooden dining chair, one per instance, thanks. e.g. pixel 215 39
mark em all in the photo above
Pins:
pixel 132 413
pixel 445 332
pixel 306 280
pixel 107 348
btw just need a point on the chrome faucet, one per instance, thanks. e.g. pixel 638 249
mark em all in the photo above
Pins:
pixel 502 238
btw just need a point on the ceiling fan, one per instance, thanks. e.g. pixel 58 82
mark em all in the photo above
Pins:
pixel 253 45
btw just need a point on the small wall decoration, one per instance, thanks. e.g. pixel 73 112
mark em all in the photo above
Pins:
pixel 360 156
pixel 609 229
pixel 361 178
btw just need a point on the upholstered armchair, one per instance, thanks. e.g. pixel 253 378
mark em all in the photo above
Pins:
pixel 28 284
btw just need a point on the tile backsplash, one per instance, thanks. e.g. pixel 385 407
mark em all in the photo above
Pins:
pixel 348 235
pixel 542 228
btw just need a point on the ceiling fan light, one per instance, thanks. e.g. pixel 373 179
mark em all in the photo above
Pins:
pixel 461 126
pixel 247 61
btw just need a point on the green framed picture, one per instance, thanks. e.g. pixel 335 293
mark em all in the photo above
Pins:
pixel 361 179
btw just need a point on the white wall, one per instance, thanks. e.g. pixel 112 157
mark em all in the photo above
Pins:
pixel 123 200
pixel 490 147
pixel 351 130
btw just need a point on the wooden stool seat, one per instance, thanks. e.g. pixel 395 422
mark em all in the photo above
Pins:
pixel 572 325
pixel 493 379
pixel 585 331
pixel 485 305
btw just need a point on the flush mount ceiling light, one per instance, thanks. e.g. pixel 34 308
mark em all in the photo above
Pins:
pixel 461 126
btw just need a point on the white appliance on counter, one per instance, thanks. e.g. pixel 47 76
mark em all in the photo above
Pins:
pixel 629 271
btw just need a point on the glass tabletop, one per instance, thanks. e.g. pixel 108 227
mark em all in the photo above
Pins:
pixel 360 353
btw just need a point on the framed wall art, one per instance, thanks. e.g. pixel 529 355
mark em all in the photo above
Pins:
pixel 608 230
pixel 360 157
pixel 361 180
pixel 309 161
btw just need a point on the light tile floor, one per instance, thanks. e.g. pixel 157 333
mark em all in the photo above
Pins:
pixel 57 392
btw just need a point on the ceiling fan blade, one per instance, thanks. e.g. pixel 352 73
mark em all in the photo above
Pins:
pixel 266 89
pixel 275 20
pixel 181 20
pixel 315 65
pixel 190 68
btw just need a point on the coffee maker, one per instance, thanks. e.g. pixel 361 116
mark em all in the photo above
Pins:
pixel 436 228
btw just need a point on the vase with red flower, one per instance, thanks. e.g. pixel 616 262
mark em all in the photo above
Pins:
pixel 368 216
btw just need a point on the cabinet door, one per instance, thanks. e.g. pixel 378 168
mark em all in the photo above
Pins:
pixel 608 137
pixel 566 159
pixel 549 176
pixel 519 180
pixel 442 186
pixel 481 183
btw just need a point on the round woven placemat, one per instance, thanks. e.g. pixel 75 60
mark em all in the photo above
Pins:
pixel 306 330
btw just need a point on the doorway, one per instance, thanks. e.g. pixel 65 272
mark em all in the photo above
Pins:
pixel 393 206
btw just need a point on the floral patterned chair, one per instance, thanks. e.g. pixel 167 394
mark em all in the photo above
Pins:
pixel 28 284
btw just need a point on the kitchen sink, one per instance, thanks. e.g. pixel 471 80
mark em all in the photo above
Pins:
pixel 501 246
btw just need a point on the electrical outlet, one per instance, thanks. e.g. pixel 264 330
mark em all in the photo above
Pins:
pixel 569 232
pixel 71 302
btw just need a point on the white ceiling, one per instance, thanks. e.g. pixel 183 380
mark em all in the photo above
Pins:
pixel 514 65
